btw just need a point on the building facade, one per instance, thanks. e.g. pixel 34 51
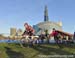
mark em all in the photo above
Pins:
pixel 13 31
pixel 46 25
pixel 19 32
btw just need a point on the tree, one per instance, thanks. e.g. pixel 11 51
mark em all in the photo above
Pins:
pixel 46 34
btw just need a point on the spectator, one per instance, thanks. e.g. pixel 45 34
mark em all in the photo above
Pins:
pixel 30 42
pixel 42 37
pixel 55 34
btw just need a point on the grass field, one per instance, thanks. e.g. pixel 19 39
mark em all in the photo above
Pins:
pixel 16 51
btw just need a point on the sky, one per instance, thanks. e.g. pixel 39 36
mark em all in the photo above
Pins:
pixel 14 13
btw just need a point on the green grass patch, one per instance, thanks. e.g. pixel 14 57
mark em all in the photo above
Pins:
pixel 16 51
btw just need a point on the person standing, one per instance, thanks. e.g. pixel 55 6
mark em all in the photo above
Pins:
pixel 55 34
pixel 74 37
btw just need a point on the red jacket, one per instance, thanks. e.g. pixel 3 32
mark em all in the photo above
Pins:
pixel 54 33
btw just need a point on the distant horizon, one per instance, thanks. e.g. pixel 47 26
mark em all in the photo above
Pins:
pixel 14 13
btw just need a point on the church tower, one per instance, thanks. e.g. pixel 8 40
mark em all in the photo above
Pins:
pixel 46 14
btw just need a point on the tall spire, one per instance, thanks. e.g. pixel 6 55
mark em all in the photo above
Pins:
pixel 46 14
